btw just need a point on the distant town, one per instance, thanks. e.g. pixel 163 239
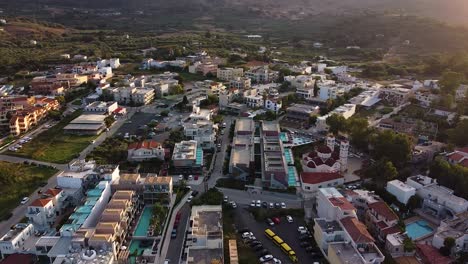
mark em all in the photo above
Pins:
pixel 196 160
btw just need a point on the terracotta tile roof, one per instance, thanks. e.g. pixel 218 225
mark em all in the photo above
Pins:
pixel 318 177
pixel 330 162
pixel 381 208
pixel 342 203
pixel 40 202
pixel 19 258
pixel 324 149
pixel 465 150
pixel 456 156
pixel 431 255
pixel 356 230
pixel 382 225
pixel 146 144
pixel 54 192
pixel 391 230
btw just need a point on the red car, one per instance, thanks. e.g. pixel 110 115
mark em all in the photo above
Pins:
pixel 276 220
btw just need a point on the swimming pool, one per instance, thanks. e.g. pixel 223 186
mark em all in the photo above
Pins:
pixel 144 222
pixel 138 248
pixel 418 229
pixel 288 156
pixel 301 141
pixel 284 137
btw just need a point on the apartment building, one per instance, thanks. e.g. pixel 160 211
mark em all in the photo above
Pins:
pixel 49 85
pixel 456 228
pixel 206 232
pixel 240 83
pixel 202 131
pixel 203 68
pixel 129 95
pixel 146 150
pixel 275 171
pixel 188 157
pixel 338 232
pixel 227 74
pixel 242 160
pixel 43 212
pixel 262 74
pixel 14 240
pixel 157 189
pixel 346 110
pixel 438 199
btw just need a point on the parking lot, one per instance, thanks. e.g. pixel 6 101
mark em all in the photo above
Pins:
pixel 287 231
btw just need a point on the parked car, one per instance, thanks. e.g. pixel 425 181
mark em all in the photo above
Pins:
pixel 181 177
pixel 225 199
pixel 270 222
pixel 277 261
pixel 263 253
pixel 190 177
pixel 255 242
pixel 304 244
pixel 271 206
pixel 258 247
pixel 252 204
pixel 233 204
pixel 283 205
pixel 247 235
pixel 289 219
pixel 302 230
pixel 309 249
pixel 266 258
pixel 264 204
pixel 276 220
pixel 258 203
pixel 24 200
pixel 194 193
pixel 189 200
pixel 277 205
pixel 174 233
pixel 303 237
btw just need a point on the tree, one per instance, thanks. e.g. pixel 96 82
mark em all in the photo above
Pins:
pixel 458 135
pixel 408 245
pixel 381 172
pixel 176 89
pixel 185 100
pixel 336 124
pixel 54 114
pixel 450 81
pixel 60 99
pixel 414 202
pixel 109 121
pixel 449 243
pixel 312 120
pixel 359 132
pixel 392 146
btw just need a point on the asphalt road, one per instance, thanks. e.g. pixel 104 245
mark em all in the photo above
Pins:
pixel 176 244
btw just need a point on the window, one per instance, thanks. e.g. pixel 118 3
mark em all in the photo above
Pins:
pixel 307 188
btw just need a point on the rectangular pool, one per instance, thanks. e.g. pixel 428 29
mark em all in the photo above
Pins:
pixel 418 229
pixel 144 222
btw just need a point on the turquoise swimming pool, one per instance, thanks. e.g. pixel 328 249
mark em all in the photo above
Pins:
pixel 144 222
pixel 288 156
pixel 136 247
pixel 284 137
pixel 418 229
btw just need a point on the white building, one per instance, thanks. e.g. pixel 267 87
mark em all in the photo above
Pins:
pixel 207 234
pixel 400 190
pixel 301 81
pixel 43 212
pixel 254 101
pixel 426 98
pixel 332 205
pixel 262 74
pixel 240 83
pixel 437 198
pixel 202 131
pixel 329 89
pixel 102 107
pixel 272 104
pixel 227 74
pixel 114 63
pixel 457 228
pixel 313 181
pixel 200 114
pixel 14 241
pixel 145 150
pixel 338 69
pixel 346 110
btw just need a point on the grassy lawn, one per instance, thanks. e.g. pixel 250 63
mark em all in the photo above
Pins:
pixel 54 145
pixel 19 180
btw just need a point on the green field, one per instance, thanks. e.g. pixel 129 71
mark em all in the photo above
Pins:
pixel 19 180
pixel 54 145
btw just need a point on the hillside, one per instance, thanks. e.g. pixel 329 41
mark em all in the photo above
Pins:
pixel 453 11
